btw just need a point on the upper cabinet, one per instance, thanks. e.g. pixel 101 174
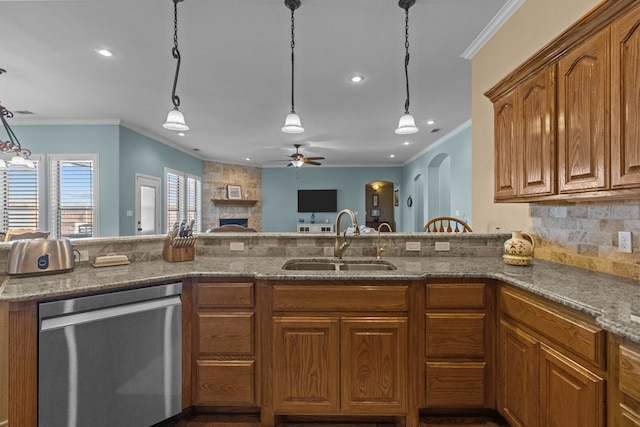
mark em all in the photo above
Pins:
pixel 625 91
pixel 567 121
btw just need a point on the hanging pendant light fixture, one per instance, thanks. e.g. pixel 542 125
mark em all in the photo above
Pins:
pixel 407 124
pixel 12 145
pixel 175 118
pixel 292 123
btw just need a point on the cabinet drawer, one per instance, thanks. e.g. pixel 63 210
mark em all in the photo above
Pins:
pixel 226 333
pixel 225 295
pixel 224 382
pixel 455 295
pixel 455 334
pixel 455 385
pixel 630 372
pixel 571 330
pixel 629 417
pixel 339 298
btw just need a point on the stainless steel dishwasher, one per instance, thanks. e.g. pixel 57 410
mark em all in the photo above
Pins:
pixel 109 360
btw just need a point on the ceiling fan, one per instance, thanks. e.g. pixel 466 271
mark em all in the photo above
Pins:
pixel 297 159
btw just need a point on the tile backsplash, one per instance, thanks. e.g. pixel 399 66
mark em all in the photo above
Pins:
pixel 586 235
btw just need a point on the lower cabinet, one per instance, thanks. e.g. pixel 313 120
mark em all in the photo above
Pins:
pixel 459 345
pixel 339 350
pixel 550 364
pixel 624 383
pixel 225 345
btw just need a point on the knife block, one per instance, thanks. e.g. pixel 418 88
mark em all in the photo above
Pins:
pixel 179 249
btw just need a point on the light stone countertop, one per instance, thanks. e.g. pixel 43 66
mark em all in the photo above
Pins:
pixel 612 300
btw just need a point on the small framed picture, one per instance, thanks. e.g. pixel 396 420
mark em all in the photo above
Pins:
pixel 234 192
pixel 375 213
pixel 396 198
pixel 374 201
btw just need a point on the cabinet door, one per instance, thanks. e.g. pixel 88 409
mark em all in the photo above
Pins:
pixel 505 147
pixel 536 142
pixel 571 395
pixel 306 365
pixel 625 87
pixel 374 365
pixel 518 375
pixel 583 116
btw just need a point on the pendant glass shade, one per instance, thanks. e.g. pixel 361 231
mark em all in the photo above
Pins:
pixel 406 125
pixel 292 124
pixel 175 121
pixel 297 163
pixel 21 162
pixel 3 165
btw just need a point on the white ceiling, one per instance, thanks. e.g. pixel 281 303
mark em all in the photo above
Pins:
pixel 234 82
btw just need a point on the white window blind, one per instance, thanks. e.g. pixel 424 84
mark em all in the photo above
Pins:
pixel 73 196
pixel 183 199
pixel 20 197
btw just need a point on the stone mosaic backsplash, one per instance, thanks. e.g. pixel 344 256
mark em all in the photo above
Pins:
pixel 586 235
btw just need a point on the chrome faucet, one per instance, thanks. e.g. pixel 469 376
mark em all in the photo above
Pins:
pixel 380 249
pixel 339 248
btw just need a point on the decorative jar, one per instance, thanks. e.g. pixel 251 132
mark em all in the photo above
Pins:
pixel 518 250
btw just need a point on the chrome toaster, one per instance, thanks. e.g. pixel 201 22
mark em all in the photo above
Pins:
pixel 41 256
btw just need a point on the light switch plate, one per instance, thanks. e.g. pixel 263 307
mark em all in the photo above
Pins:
pixel 442 246
pixel 413 246
pixel 236 246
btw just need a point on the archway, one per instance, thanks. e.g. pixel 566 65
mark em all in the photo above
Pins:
pixel 379 204
pixel 439 192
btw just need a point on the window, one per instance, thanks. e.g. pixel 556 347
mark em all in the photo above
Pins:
pixel 183 199
pixel 73 195
pixel 21 196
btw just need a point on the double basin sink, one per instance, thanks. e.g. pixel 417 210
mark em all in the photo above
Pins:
pixel 334 264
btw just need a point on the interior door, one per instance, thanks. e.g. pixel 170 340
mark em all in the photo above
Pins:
pixel 147 215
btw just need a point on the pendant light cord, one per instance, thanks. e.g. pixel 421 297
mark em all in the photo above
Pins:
pixel 406 57
pixel 176 54
pixel 293 45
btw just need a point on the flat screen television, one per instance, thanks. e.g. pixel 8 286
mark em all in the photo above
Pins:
pixel 317 200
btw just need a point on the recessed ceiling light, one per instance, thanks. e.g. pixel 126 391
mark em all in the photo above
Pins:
pixel 406 143
pixel 181 134
pixel 431 122
pixel 356 78
pixel 104 52
pixel 248 159
pixel 392 156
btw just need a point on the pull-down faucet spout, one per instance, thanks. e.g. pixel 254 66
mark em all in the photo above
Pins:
pixel 339 247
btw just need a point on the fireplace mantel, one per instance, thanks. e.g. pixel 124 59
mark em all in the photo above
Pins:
pixel 234 202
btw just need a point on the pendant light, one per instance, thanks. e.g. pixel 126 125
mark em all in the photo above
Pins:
pixel 12 145
pixel 292 123
pixel 407 124
pixel 175 118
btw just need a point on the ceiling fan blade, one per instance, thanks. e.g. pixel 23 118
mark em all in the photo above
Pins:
pixel 314 158
pixel 310 162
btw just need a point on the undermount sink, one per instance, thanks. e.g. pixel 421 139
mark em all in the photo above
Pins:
pixel 338 265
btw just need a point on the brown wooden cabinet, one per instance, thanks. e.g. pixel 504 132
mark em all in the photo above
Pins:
pixel 587 147
pixel 525 146
pixel 583 116
pixel 459 345
pixel 339 349
pixel 550 364
pixel 625 106
pixel 624 383
pixel 225 371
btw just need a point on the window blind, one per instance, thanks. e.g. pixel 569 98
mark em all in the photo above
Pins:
pixel 19 197
pixel 72 198
pixel 183 199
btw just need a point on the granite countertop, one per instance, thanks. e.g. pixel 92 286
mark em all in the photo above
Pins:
pixel 611 300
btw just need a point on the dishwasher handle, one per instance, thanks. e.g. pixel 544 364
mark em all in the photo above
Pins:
pixel 49 324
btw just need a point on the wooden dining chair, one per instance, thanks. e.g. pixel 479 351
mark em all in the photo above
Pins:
pixel 446 224
pixel 25 233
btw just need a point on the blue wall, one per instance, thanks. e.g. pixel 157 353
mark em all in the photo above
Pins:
pixel 143 155
pixel 457 180
pixel 280 191
pixel 121 154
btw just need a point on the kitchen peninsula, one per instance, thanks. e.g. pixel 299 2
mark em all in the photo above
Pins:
pixel 445 326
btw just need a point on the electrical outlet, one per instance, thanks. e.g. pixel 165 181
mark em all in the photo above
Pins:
pixel 79 256
pixel 443 246
pixel 236 246
pixel 624 241
pixel 413 246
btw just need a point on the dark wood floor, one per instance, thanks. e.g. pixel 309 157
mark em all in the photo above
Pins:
pixel 205 420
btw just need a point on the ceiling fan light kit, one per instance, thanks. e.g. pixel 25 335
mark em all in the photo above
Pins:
pixel 175 118
pixel 292 123
pixel 407 124
pixel 12 145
